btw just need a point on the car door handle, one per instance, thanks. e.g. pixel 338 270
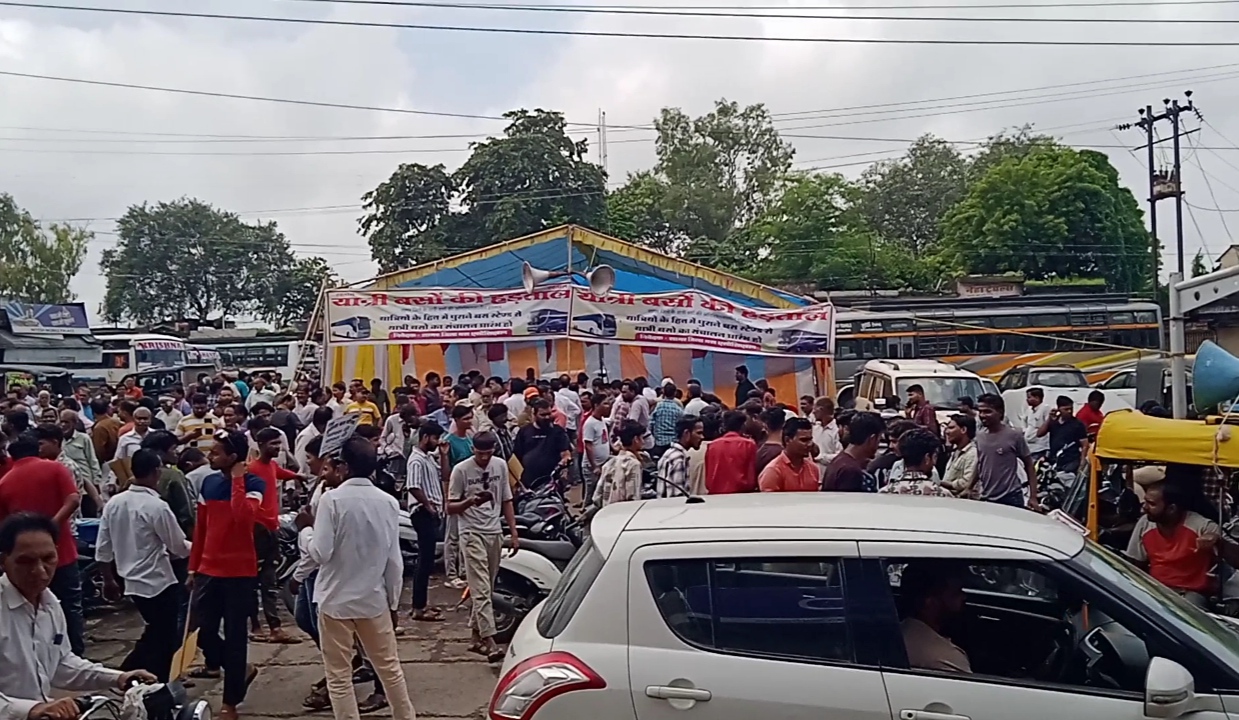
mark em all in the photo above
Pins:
pixel 927 715
pixel 668 692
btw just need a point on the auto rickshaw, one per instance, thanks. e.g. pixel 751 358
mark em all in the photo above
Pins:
pixel 1131 437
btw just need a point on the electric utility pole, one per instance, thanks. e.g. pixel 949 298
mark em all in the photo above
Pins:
pixel 1165 184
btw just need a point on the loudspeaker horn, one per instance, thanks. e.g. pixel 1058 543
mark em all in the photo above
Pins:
pixel 531 277
pixel 601 279
pixel 1215 377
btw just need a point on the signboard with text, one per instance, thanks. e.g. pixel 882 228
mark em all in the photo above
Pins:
pixel 26 319
pixel 689 320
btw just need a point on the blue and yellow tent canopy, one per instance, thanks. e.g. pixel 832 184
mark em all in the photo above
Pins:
pixel 637 269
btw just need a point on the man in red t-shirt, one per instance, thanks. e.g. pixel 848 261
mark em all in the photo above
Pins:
pixel 265 544
pixel 1091 414
pixel 47 488
pixel 1178 547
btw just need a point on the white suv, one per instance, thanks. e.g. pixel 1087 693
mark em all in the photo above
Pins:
pixel 787 606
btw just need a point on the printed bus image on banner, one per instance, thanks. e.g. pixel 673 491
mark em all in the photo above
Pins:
pixel 698 321
pixel 381 317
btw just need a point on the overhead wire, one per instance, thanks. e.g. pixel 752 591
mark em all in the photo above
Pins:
pixel 568 32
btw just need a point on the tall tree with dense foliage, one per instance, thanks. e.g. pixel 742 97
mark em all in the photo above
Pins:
pixel 904 200
pixel 403 216
pixel 37 263
pixel 1053 213
pixel 188 259
pixel 532 178
pixel 297 291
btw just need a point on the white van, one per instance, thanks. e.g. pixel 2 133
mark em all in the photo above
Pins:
pixel 883 385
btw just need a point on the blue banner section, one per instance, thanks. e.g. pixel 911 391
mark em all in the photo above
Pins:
pixel 27 319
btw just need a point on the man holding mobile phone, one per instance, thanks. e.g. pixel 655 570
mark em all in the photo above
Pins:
pixel 477 493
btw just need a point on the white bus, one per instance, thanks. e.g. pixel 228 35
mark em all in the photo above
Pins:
pixel 275 355
pixel 127 354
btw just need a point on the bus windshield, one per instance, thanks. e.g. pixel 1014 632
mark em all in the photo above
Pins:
pixel 160 358
pixel 943 393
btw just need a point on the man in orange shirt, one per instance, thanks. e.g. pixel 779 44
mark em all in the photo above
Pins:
pixel 793 470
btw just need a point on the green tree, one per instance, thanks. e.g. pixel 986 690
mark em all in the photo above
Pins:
pixel 815 232
pixel 189 259
pixel 403 215
pixel 637 212
pixel 1198 264
pixel 297 291
pixel 1054 213
pixel 721 172
pixel 532 178
pixel 1007 144
pixel 37 264
pixel 903 200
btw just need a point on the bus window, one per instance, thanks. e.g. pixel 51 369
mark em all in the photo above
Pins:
pixel 1043 343
pixel 847 350
pixel 928 346
pixel 1052 320
pixel 900 348
pixel 1146 318
pixel 1010 321
pixel 116 360
pixel 976 344
pixel 873 348
pixel 1122 318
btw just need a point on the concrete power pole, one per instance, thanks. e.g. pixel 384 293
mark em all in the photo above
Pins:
pixel 1163 184
pixel 602 140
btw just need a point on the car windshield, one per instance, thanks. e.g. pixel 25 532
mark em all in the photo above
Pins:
pixel 1058 378
pixel 1138 588
pixel 943 393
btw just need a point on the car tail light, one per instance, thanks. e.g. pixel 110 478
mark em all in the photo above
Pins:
pixel 535 681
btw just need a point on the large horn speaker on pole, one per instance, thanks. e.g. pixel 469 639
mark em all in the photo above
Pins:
pixel 601 279
pixel 1215 377
pixel 531 277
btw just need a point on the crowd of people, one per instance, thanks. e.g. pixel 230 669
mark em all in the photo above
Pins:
pixel 188 489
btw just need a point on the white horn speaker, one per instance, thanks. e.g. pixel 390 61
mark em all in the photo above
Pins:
pixel 601 279
pixel 531 276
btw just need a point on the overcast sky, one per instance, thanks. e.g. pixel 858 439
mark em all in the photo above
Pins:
pixel 127 146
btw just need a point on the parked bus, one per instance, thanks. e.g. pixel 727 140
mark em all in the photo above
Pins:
pixel 275 355
pixel 988 337
pixel 127 354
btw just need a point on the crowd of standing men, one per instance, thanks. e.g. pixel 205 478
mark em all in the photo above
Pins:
pixel 188 490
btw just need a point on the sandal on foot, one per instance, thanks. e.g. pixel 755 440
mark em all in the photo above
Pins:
pixel 373 703
pixel 495 656
pixel 428 615
pixel 318 699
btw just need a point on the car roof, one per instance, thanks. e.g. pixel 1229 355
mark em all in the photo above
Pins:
pixel 1055 368
pixel 841 511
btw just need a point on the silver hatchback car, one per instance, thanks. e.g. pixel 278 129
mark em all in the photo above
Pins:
pixel 808 606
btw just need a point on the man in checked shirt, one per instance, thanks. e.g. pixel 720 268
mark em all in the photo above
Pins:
pixel 673 465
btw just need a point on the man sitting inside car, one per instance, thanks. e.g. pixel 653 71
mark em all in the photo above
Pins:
pixel 933 597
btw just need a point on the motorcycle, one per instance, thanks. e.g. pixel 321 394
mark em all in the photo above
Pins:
pixel 87 532
pixel 165 701
pixel 525 578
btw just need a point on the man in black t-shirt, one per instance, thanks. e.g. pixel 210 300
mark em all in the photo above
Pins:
pixel 1067 436
pixel 540 446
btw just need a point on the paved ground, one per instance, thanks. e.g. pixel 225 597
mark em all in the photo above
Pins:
pixel 445 680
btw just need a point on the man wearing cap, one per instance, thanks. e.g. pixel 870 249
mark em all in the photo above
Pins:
pixel 168 413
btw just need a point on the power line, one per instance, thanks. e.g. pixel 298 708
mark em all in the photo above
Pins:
pixel 564 32
pixel 758 6
pixel 790 12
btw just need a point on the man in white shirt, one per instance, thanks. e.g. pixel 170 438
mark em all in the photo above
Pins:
pixel 696 404
pixel 337 402
pixel 261 392
pixel 356 595
pixel 1032 417
pixel 825 432
pixel 515 400
pixel 569 403
pixel 34 654
pixel 168 414
pixel 131 441
pixel 304 409
pixel 138 537
pixel 317 426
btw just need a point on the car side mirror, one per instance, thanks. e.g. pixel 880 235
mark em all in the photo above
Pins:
pixel 1168 689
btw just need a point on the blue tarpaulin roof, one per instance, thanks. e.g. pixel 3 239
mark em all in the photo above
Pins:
pixel 635 270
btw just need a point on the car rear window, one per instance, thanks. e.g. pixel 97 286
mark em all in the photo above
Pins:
pixel 571 589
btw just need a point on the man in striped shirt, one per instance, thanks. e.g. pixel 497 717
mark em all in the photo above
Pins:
pixel 673 465
pixel 425 484
pixel 197 429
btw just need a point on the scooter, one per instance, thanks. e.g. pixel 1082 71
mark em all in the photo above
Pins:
pixel 167 701
pixel 525 578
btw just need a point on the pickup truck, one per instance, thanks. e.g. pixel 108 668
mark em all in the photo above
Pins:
pixel 1055 380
